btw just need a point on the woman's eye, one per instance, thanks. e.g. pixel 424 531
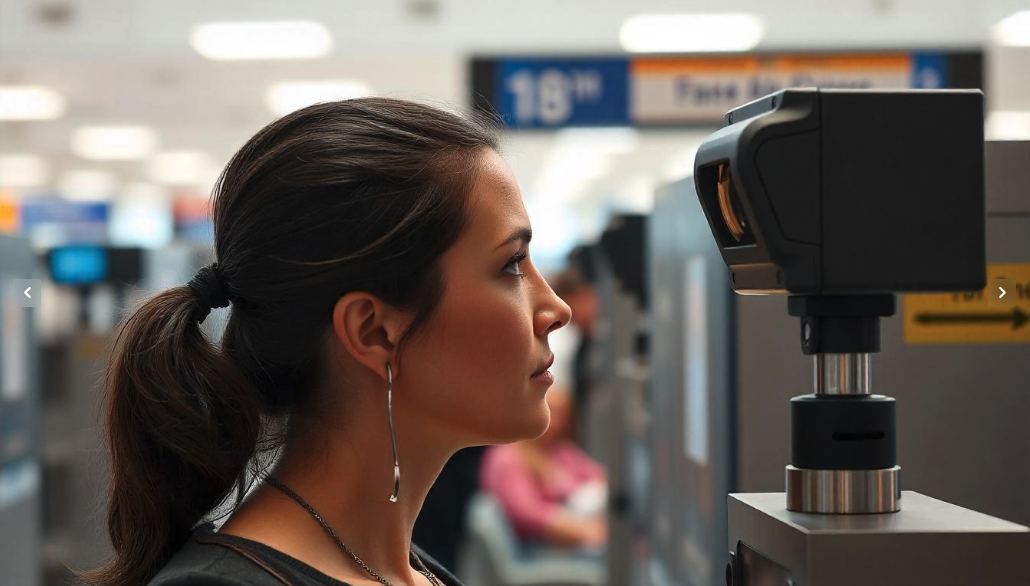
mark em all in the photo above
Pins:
pixel 513 268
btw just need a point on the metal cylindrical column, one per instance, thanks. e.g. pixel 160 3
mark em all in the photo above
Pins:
pixel 844 491
pixel 843 374
pixel 843 446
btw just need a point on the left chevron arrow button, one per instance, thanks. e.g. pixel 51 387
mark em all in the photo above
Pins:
pixel 27 292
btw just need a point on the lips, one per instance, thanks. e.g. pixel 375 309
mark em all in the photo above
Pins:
pixel 547 364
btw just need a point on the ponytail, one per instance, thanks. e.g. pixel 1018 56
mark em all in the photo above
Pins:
pixel 182 424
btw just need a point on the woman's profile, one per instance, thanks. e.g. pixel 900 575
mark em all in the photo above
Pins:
pixel 384 314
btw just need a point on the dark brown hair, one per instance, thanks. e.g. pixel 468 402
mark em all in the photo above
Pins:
pixel 362 194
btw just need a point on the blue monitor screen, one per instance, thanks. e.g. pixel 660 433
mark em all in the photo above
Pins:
pixel 78 265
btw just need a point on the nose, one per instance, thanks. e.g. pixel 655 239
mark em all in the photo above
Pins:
pixel 551 312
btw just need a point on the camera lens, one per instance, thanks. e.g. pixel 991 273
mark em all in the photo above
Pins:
pixel 732 214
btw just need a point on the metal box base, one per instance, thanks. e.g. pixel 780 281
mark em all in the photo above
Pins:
pixel 928 542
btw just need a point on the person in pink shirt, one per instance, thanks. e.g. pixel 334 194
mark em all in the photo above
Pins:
pixel 552 492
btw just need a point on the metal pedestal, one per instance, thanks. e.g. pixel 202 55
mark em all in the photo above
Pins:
pixel 929 542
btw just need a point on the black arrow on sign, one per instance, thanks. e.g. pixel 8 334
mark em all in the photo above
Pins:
pixel 1017 318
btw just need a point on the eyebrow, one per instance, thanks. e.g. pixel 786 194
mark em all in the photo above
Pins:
pixel 523 234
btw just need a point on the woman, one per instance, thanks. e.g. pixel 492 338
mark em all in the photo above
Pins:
pixel 552 492
pixel 385 314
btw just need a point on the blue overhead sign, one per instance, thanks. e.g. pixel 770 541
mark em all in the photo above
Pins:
pixel 56 211
pixel 692 90
pixel 49 222
pixel 571 92
pixel 930 71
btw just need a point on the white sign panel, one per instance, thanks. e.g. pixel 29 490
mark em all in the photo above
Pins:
pixel 701 91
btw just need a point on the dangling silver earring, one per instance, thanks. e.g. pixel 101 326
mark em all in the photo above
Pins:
pixel 393 437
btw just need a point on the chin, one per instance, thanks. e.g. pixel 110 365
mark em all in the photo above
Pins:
pixel 531 427
pixel 542 424
pixel 532 422
pixel 531 431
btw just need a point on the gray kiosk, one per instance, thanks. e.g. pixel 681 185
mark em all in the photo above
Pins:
pixel 21 549
pixel 841 200
pixel 725 367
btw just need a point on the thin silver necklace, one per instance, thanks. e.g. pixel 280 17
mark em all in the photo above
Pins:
pixel 421 567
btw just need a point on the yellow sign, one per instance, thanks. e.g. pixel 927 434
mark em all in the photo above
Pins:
pixel 972 318
pixel 8 214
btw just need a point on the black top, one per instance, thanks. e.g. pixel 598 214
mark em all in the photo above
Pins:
pixel 441 522
pixel 215 559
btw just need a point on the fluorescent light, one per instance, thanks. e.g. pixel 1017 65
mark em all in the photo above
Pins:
pixel 691 33
pixel 228 41
pixel 179 167
pixel 1008 125
pixel 21 171
pixel 87 185
pixel 114 143
pixel 1013 31
pixel 30 102
pixel 283 98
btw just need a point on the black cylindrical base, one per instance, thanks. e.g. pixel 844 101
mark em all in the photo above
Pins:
pixel 843 432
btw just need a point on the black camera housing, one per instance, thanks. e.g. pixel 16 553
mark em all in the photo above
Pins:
pixel 849 192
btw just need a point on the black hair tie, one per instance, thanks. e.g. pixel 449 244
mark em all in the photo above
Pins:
pixel 208 286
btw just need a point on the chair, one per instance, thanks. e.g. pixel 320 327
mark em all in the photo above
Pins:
pixel 492 556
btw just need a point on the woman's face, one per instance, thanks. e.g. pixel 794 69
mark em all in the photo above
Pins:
pixel 473 372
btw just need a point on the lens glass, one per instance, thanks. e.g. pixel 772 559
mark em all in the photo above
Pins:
pixel 732 215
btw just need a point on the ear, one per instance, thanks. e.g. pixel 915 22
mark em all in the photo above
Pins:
pixel 369 330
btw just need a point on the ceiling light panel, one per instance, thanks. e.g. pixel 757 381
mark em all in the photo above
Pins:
pixel 1013 31
pixel 232 41
pixel 114 143
pixel 30 102
pixel 691 33
pixel 285 97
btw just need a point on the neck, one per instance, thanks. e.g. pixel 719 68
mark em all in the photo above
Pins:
pixel 348 480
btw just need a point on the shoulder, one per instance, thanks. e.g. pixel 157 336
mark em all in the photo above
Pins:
pixel 211 564
pixel 209 559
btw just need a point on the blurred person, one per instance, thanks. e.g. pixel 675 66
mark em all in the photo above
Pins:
pixel 577 286
pixel 553 494
pixel 385 314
